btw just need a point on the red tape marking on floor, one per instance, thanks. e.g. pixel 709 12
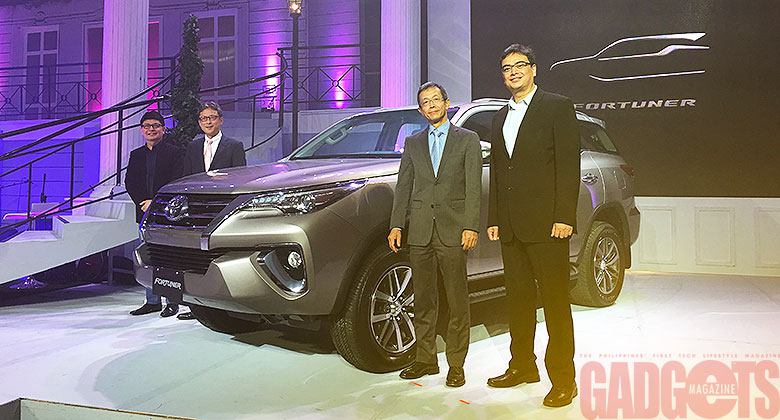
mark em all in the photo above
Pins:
pixel 464 401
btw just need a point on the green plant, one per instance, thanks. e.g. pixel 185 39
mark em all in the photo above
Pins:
pixel 185 97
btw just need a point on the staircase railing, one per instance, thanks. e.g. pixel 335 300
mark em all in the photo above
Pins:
pixel 77 121
pixel 60 90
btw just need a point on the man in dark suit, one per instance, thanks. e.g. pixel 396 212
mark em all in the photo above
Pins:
pixel 534 184
pixel 439 185
pixel 151 166
pixel 212 151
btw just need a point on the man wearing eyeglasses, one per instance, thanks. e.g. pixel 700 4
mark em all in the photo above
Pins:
pixel 438 188
pixel 534 185
pixel 213 150
pixel 151 166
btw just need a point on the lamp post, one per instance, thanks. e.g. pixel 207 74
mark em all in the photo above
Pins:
pixel 295 12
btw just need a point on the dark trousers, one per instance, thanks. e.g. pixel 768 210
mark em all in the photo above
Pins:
pixel 548 263
pixel 426 262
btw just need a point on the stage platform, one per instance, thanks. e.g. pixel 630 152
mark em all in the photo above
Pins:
pixel 80 346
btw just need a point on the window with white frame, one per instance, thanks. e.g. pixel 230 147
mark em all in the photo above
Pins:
pixel 41 47
pixel 217 49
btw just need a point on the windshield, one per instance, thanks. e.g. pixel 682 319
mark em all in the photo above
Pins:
pixel 375 135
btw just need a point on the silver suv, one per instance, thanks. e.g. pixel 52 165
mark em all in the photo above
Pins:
pixel 301 241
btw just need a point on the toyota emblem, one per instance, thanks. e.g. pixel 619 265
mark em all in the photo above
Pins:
pixel 177 208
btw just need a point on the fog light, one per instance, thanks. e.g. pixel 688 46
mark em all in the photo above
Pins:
pixel 286 267
pixel 294 259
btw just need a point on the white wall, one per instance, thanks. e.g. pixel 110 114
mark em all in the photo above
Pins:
pixel 449 47
pixel 709 235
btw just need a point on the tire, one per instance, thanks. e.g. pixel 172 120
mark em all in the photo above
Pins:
pixel 374 346
pixel 601 267
pixel 221 321
pixel 93 268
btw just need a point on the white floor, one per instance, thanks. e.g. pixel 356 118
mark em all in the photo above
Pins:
pixel 85 349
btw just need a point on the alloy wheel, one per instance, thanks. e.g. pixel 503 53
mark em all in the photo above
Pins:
pixel 392 310
pixel 606 265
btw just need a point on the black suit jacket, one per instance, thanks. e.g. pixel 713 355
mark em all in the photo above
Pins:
pixel 167 168
pixel 539 184
pixel 229 153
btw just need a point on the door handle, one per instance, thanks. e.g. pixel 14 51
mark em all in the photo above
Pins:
pixel 589 178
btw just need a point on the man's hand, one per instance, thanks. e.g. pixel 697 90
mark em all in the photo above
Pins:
pixel 394 239
pixel 561 230
pixel 145 205
pixel 493 233
pixel 468 239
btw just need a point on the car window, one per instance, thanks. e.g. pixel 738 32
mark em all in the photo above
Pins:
pixel 605 141
pixel 405 131
pixel 377 134
pixel 356 137
pixel 593 137
pixel 481 123
pixel 588 138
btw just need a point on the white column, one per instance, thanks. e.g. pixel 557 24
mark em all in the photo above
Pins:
pixel 400 52
pixel 125 55
pixel 449 47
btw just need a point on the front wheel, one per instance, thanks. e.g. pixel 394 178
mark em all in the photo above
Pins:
pixel 375 332
pixel 602 267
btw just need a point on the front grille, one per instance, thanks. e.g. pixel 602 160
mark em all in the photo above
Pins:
pixel 203 208
pixel 183 259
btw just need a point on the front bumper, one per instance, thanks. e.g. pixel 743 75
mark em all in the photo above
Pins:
pixel 228 275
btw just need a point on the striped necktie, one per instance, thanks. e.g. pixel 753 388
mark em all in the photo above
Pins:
pixel 436 151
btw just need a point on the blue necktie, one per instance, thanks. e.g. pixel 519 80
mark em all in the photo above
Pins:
pixel 436 152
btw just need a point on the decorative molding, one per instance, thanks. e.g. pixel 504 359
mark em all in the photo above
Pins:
pixel 40 17
pixel 648 238
pixel 709 236
pixel 767 237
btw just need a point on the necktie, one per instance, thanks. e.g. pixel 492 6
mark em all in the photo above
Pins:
pixel 208 154
pixel 436 152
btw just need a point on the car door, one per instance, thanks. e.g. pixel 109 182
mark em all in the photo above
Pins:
pixel 593 185
pixel 487 256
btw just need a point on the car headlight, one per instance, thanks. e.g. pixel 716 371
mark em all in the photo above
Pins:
pixel 302 201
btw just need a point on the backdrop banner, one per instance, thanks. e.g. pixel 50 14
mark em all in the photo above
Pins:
pixel 688 90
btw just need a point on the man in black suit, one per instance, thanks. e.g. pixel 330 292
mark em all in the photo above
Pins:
pixel 439 186
pixel 534 184
pixel 212 151
pixel 151 166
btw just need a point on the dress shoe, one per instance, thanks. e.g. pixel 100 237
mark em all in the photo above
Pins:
pixel 147 308
pixel 185 316
pixel 170 310
pixel 456 377
pixel 560 396
pixel 418 370
pixel 513 377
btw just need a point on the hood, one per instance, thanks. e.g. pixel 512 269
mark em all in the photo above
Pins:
pixel 283 175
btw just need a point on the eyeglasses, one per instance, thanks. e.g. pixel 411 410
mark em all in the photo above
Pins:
pixel 204 118
pixel 151 126
pixel 517 66
pixel 436 100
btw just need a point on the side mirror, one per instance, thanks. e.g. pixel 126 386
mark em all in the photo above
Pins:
pixel 485 146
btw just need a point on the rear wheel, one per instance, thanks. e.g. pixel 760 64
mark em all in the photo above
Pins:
pixel 602 267
pixel 221 321
pixel 376 331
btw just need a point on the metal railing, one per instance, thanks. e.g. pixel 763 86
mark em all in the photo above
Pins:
pixel 63 90
pixel 124 110
pixel 331 76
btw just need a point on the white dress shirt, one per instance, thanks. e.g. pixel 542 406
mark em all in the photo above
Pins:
pixel 214 144
pixel 514 118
